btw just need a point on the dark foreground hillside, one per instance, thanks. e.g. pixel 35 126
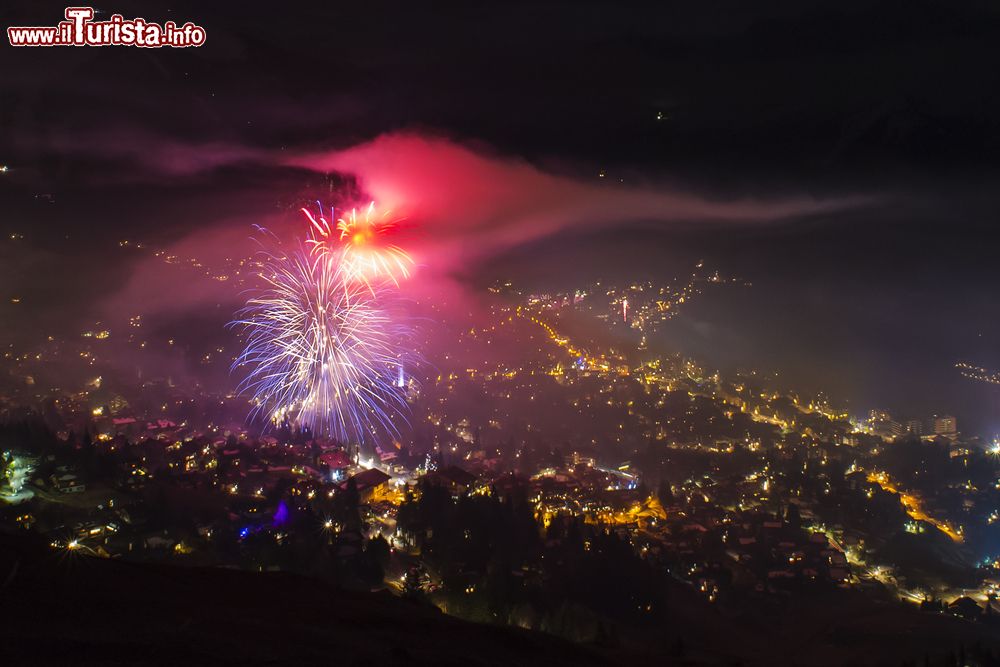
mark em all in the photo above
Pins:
pixel 64 608
pixel 60 608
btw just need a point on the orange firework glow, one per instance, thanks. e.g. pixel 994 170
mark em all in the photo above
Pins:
pixel 361 239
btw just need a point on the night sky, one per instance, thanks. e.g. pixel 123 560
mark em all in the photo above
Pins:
pixel 840 155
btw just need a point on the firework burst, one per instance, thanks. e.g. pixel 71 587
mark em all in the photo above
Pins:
pixel 367 257
pixel 322 348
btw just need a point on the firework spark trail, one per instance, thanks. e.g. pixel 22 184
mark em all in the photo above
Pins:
pixel 321 347
pixel 366 255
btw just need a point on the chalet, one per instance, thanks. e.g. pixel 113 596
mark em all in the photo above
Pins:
pixel 454 479
pixel 370 484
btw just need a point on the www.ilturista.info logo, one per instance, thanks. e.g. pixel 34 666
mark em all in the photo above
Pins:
pixel 80 30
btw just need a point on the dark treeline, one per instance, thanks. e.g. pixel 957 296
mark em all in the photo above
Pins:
pixel 495 562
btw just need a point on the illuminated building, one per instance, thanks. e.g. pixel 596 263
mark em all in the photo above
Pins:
pixel 945 425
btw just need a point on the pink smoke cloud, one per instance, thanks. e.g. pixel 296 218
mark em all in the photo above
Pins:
pixel 459 206
pixel 471 203
pixel 146 156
